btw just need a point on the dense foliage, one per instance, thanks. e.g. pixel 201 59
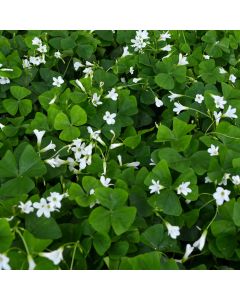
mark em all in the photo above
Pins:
pixel 119 149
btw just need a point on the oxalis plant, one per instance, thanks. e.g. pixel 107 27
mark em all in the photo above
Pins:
pixel 119 150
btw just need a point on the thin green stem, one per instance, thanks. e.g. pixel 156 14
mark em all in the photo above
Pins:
pixel 23 240
pixel 194 109
pixel 231 137
pixel 74 253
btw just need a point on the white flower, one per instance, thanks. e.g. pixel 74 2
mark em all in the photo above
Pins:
pixel 135 80
pixel 1 126
pixel 92 192
pixel 201 241
pixel 26 207
pixel 217 116
pixel 88 72
pixel 4 260
pixel 179 107
pixel 213 150
pixel 167 48
pixel 4 80
pixel 230 113
pixel 71 165
pixel 184 189
pixel 125 51
pixel 77 65
pixel 36 41
pixel 96 100
pixel 55 161
pixel 31 262
pixel 219 101
pixel 152 163
pixel 119 157
pixel 50 146
pixel 131 70
pixel 109 118
pixel 43 208
pixel 58 81
pixel 112 94
pixel 26 64
pixel 173 231
pixel 88 150
pixel 207 180
pixel 221 195
pixel 199 98
pixel 55 256
pixel 95 135
pixel 82 163
pixel 182 60
pixel 222 70
pixel 206 56
pixel 57 54
pixel 105 181
pixel 53 100
pixel 89 64
pixel 164 36
pixel 232 78
pixel 36 60
pixel 42 49
pixel 143 34
pixel 134 164
pixel 225 178
pixel 39 134
pixel 174 96
pixel 138 42
pixel 158 102
pixel 115 145
pixel 188 251
pixel 236 180
pixel 55 199
pixel 155 187
pixel 78 82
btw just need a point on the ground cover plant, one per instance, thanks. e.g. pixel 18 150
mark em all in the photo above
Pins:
pixel 119 150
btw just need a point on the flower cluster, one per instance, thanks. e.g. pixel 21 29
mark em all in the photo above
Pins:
pixel 45 206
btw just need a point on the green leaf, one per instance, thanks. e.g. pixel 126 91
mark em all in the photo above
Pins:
pixel 167 201
pixel 236 213
pixel 180 128
pixel 6 236
pixel 108 78
pixel 70 133
pixel 122 219
pixel 162 172
pixel 30 164
pixel 8 166
pixel 164 134
pixel 153 236
pixel 165 81
pixel 67 43
pixel 42 228
pixel 101 242
pixel 76 193
pixel 132 141
pixel 110 198
pixel 61 121
pixel 25 107
pixel 223 227
pixel 146 261
pixel 19 92
pixel 17 186
pixel 78 115
pixel 11 106
pixel 35 245
pixel 100 220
